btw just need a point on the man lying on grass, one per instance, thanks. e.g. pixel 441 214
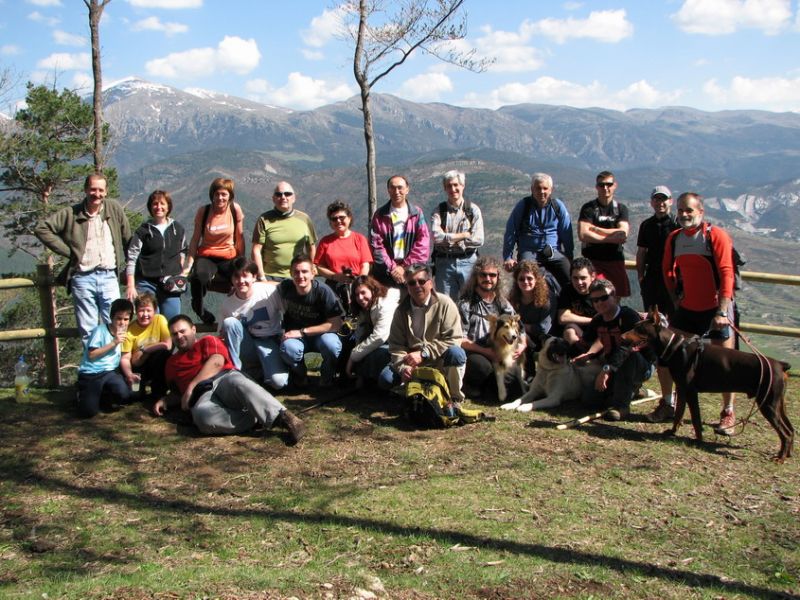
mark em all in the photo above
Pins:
pixel 221 399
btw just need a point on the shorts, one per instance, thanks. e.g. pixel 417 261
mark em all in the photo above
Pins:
pixel 699 322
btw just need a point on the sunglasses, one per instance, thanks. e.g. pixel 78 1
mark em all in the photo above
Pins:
pixel 416 282
pixel 488 275
pixel 338 218
pixel 284 194
pixel 596 299
pixel 606 184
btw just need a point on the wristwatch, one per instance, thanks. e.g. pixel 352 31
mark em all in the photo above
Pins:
pixel 721 313
pixel 425 354
pixel 606 368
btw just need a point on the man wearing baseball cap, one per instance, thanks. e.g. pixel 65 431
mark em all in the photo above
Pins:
pixel 653 233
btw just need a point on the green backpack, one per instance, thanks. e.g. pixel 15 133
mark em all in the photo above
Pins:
pixel 429 403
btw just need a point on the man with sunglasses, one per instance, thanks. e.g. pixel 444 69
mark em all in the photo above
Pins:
pixel 482 296
pixel 603 230
pixel 426 331
pixel 281 233
pixel 624 370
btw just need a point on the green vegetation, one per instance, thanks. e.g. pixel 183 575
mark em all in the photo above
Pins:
pixel 128 506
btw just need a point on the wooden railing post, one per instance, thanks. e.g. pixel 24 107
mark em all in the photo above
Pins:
pixel 47 301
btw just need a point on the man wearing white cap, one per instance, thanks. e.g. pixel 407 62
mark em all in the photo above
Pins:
pixel 653 233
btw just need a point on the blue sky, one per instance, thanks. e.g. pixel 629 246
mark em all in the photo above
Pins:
pixel 619 54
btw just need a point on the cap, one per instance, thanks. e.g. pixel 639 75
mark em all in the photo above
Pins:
pixel 660 190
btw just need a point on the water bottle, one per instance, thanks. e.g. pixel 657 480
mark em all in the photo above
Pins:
pixel 21 379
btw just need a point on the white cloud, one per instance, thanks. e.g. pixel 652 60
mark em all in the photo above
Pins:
pixel 68 39
pixel 548 90
pixel 40 18
pixel 509 50
pixel 9 50
pixel 155 24
pixel 168 4
pixel 325 27
pixel 768 93
pixel 45 2
pixel 427 87
pixel 300 92
pixel 231 54
pixel 609 26
pixel 82 82
pixel 62 61
pixel 312 54
pixel 719 17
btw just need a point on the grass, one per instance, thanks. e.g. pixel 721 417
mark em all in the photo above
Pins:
pixel 129 506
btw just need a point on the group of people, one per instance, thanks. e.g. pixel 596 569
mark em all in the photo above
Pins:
pixel 408 295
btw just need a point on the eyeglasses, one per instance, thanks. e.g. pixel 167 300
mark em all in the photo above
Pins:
pixel 596 299
pixel 488 275
pixel 605 184
pixel 416 282
pixel 284 194
pixel 338 218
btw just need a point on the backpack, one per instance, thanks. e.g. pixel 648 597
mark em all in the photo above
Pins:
pixel 429 403
pixel 738 259
pixel 524 222
pixel 470 214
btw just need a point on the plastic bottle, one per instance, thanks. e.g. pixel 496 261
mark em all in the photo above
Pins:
pixel 21 379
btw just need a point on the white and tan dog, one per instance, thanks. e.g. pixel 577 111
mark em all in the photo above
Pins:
pixel 505 337
pixel 557 379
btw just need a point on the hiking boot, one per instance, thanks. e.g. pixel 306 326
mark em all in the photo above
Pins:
pixel 208 317
pixel 296 428
pixel 617 414
pixel 663 413
pixel 727 423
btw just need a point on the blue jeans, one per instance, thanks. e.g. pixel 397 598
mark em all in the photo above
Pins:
pixel 451 273
pixel 168 305
pixel 453 359
pixel 371 366
pixel 249 353
pixel 92 295
pixel 328 345
pixel 96 387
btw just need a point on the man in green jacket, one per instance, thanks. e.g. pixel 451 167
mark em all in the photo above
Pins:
pixel 93 235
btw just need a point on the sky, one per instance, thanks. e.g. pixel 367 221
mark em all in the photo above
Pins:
pixel 616 54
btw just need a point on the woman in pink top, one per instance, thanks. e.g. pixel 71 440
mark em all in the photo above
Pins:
pixel 216 241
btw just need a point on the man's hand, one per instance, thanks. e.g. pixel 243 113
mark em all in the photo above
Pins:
pixel 398 273
pixel 617 237
pixel 348 369
pixel 719 322
pixel 160 407
pixel 292 334
pixel 133 377
pixel 509 265
pixel 413 359
pixel 601 382
pixel 518 351
pixel 406 373
pixel 185 397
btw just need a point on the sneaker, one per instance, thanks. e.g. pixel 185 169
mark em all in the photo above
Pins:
pixel 663 413
pixel 616 414
pixel 727 423
pixel 296 427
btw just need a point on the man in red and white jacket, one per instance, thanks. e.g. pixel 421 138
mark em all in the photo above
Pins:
pixel 699 272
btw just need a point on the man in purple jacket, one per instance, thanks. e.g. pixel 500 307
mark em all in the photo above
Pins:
pixel 399 235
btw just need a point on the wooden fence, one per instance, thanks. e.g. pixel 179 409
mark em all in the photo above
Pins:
pixel 50 334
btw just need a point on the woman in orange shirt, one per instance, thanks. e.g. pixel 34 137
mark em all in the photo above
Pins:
pixel 217 239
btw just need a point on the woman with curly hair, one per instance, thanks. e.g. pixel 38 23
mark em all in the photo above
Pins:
pixel 374 312
pixel 534 295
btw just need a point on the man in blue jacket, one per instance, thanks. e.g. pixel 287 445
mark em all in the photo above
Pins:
pixel 541 230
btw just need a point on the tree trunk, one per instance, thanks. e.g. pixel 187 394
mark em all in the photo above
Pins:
pixel 369 139
pixel 95 12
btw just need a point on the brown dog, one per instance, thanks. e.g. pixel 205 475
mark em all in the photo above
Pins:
pixel 505 336
pixel 697 367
